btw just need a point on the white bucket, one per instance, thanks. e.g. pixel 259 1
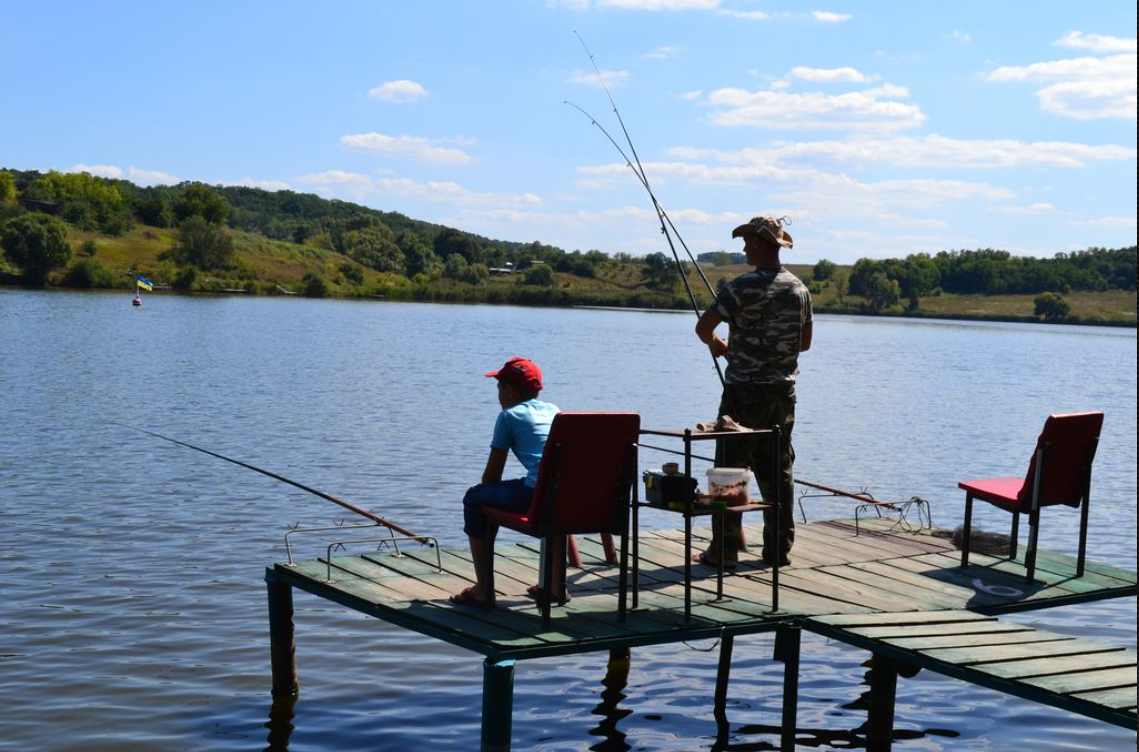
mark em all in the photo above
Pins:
pixel 729 483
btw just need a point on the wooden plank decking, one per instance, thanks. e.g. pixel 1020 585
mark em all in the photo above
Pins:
pixel 1078 675
pixel 901 594
pixel 833 571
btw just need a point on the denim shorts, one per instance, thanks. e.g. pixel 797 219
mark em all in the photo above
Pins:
pixel 514 495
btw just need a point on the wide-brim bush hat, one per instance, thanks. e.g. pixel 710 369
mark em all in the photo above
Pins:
pixel 768 228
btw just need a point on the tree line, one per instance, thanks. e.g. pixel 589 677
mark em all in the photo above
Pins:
pixel 37 208
pixel 387 242
pixel 885 282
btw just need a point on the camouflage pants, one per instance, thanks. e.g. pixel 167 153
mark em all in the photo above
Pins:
pixel 756 408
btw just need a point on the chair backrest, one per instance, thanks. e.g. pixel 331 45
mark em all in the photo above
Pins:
pixel 1071 439
pixel 586 472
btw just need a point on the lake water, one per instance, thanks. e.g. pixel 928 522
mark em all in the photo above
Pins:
pixel 132 605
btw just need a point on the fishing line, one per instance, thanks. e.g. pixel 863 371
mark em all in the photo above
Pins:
pixel 327 497
pixel 639 171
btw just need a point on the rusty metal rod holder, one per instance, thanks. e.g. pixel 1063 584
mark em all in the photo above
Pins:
pixel 341 543
pixel 295 530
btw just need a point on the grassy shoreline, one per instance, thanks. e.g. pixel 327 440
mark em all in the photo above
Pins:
pixel 269 267
pixel 946 313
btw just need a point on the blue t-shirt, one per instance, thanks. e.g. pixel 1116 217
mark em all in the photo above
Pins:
pixel 523 429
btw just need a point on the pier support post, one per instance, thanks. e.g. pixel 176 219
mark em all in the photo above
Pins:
pixel 720 704
pixel 787 640
pixel 282 640
pixel 497 705
pixel 620 659
pixel 883 693
pixel 727 643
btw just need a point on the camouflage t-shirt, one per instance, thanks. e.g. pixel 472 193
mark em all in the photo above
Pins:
pixel 766 311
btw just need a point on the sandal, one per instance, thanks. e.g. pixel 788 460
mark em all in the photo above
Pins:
pixel 535 592
pixel 704 558
pixel 467 598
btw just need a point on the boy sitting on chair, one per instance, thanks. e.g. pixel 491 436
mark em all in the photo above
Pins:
pixel 522 427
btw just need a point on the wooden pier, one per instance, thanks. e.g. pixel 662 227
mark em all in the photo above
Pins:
pixel 901 595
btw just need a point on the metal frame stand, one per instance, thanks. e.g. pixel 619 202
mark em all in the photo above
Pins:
pixel 689 512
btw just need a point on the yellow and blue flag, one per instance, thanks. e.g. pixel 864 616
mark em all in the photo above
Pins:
pixel 144 283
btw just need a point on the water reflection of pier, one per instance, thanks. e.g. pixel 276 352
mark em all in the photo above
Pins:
pixel 903 596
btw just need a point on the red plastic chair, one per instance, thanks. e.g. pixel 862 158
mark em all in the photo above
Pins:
pixel 584 485
pixel 1060 473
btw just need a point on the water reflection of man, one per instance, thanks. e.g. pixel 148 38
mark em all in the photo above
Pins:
pixel 770 322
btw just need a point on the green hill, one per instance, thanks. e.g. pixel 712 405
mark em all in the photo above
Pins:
pixel 197 238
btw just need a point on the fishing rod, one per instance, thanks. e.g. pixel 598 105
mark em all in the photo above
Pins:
pixel 327 497
pixel 639 171
pixel 863 497
pixel 661 213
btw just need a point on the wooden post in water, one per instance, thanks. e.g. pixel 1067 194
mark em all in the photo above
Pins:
pixel 727 643
pixel 497 705
pixel 787 639
pixel 282 641
pixel 719 706
pixel 883 693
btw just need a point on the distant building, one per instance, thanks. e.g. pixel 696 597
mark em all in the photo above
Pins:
pixel 46 207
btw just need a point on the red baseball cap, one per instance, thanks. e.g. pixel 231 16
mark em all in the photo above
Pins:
pixel 520 372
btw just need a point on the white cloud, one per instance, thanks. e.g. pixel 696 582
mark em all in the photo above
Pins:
pixel 1038 208
pixel 827 194
pixel 1078 40
pixel 268 185
pixel 612 78
pixel 105 171
pixel 151 177
pixel 690 95
pixel 134 174
pixel 451 193
pixel 623 228
pixel 962 36
pixel 748 15
pixel 404 147
pixel 660 53
pixel 360 186
pixel 655 5
pixel 828 17
pixel 649 5
pixel 686 171
pixel 870 109
pixel 1110 222
pixel 1082 88
pixel 833 191
pixel 398 91
pixel 928 151
pixel 830 75
pixel 338 181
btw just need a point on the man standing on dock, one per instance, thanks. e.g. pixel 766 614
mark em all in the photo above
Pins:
pixel 769 323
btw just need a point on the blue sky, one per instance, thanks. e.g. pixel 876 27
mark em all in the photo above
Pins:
pixel 878 128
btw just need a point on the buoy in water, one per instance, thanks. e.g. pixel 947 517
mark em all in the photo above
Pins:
pixel 137 301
